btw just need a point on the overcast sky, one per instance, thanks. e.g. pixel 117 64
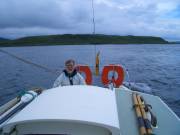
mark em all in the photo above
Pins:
pixel 19 18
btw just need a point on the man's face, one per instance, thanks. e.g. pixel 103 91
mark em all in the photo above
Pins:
pixel 70 67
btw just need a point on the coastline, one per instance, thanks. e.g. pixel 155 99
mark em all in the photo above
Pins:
pixel 82 39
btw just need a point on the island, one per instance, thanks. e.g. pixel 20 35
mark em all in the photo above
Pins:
pixel 81 39
pixel 3 39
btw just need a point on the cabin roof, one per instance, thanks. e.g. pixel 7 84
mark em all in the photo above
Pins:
pixel 82 104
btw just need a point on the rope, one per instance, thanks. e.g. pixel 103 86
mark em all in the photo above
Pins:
pixel 43 67
pixel 94 25
pixel 29 62
pixel 33 63
pixel 127 73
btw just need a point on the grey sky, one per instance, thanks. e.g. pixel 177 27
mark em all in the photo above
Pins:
pixel 19 18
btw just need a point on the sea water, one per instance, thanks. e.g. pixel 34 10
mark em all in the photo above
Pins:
pixel 157 66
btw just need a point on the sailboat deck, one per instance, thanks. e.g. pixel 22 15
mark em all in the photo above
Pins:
pixel 168 122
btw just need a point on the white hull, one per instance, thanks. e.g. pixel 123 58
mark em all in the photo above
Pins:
pixel 88 110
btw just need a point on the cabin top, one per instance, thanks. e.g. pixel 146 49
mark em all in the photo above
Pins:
pixel 89 105
pixel 87 110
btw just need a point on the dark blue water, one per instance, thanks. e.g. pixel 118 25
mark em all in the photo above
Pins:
pixel 156 65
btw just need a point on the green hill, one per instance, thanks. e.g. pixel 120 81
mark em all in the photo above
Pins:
pixel 3 39
pixel 79 39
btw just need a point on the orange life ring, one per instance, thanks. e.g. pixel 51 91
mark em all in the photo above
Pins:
pixel 87 71
pixel 116 68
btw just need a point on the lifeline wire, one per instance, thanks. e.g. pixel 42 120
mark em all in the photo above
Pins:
pixel 43 67
pixel 33 63
pixel 29 62
pixel 128 76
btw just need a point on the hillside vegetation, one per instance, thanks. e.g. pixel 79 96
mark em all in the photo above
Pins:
pixel 69 39
pixel 3 39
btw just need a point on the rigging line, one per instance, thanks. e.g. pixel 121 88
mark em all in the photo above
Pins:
pixel 56 71
pixel 94 25
pixel 127 72
pixel 29 62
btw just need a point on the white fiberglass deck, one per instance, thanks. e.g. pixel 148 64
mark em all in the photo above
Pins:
pixel 89 110
pixel 88 105
pixel 168 122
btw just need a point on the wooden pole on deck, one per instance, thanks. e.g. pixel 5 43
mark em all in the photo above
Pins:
pixel 139 115
pixel 146 120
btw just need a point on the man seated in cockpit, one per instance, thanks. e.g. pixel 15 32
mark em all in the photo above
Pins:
pixel 69 76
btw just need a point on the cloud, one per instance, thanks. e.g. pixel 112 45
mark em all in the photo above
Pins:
pixel 41 13
pixel 19 18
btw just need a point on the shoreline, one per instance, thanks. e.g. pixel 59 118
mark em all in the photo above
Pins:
pixel 86 45
pixel 82 39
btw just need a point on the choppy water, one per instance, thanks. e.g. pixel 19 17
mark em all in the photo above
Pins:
pixel 156 65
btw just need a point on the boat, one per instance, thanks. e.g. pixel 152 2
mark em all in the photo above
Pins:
pixel 88 110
